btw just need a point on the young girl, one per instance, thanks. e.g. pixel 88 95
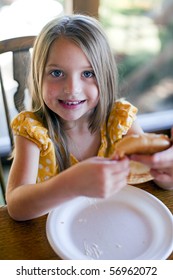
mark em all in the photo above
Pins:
pixel 63 147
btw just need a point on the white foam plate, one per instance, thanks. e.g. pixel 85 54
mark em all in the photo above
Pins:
pixel 132 224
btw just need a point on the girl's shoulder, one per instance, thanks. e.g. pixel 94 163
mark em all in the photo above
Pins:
pixel 28 125
pixel 123 108
pixel 121 118
pixel 26 119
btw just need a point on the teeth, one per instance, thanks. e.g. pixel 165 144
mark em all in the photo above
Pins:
pixel 72 102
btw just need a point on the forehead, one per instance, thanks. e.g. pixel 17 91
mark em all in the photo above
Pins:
pixel 63 50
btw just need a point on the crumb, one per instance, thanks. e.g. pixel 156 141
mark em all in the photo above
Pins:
pixel 93 202
pixel 81 220
pixel 92 250
pixel 119 246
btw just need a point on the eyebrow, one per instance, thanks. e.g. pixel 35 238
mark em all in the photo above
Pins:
pixel 52 65
pixel 59 66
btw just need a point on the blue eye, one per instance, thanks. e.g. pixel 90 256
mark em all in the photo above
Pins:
pixel 88 74
pixel 56 73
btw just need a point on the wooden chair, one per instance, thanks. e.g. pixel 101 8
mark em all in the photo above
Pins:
pixel 20 50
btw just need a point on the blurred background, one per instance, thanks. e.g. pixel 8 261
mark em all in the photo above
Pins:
pixel 141 34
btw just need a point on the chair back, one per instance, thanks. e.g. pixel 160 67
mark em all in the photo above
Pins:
pixel 20 60
pixel 20 50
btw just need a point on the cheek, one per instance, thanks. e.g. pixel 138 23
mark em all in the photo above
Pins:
pixel 96 98
pixel 95 95
pixel 49 92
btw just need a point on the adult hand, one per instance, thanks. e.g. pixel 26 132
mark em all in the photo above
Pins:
pixel 161 165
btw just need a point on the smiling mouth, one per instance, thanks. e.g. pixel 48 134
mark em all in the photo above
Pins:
pixel 71 103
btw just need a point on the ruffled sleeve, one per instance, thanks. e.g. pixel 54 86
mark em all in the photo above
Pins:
pixel 121 119
pixel 27 125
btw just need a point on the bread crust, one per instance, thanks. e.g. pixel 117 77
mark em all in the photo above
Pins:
pixel 146 143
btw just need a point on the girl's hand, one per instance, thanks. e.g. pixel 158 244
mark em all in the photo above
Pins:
pixel 99 177
pixel 161 165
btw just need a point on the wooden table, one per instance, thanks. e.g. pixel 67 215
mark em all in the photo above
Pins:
pixel 28 241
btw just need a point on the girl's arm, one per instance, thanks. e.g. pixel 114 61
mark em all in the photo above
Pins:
pixel 26 199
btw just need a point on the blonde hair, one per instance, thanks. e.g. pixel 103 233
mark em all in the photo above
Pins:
pixel 88 34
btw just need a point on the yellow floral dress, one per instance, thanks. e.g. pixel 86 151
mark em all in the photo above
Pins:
pixel 26 124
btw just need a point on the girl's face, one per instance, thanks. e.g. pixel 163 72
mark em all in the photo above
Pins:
pixel 69 84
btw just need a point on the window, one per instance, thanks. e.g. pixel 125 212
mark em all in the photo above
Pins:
pixel 26 17
pixel 140 33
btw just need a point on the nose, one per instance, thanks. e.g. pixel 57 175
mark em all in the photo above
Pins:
pixel 72 86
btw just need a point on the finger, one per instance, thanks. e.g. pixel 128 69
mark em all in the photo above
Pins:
pixel 162 175
pixel 120 176
pixel 118 167
pixel 158 160
pixel 117 185
pixel 115 157
pixel 145 159
pixel 164 178
pixel 166 155
pixel 112 163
